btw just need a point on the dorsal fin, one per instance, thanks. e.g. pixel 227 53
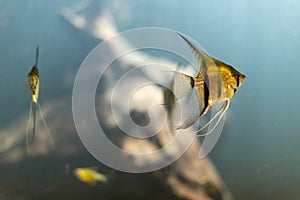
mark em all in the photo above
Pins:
pixel 201 57
pixel 210 70
pixel 36 56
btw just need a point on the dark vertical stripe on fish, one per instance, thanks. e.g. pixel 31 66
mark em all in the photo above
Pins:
pixel 192 82
pixel 205 99
pixel 206 96
pixel 206 91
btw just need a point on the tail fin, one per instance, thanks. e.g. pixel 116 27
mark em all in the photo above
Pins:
pixel 46 127
pixel 182 84
pixel 169 104
pixel 30 133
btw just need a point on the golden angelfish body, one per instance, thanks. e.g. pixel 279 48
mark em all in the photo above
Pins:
pixel 34 78
pixel 34 83
pixel 216 82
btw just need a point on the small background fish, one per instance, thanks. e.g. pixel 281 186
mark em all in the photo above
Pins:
pixel 89 175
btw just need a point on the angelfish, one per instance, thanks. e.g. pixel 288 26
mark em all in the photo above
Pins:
pixel 34 83
pixel 216 82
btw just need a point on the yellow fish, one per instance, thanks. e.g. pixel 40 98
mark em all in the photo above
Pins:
pixel 215 83
pixel 89 175
pixel 34 83
pixel 34 79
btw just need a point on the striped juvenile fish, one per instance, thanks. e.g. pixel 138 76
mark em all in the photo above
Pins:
pixel 34 83
pixel 215 83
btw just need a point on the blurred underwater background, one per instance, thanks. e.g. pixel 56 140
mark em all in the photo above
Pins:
pixel 256 156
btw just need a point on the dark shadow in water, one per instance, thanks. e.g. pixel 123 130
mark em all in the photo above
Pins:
pixel 46 178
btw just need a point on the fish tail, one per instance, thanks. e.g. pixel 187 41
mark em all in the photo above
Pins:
pixel 182 85
pixel 34 107
pixel 30 134
pixel 37 55
pixel 169 104
pixel 46 126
